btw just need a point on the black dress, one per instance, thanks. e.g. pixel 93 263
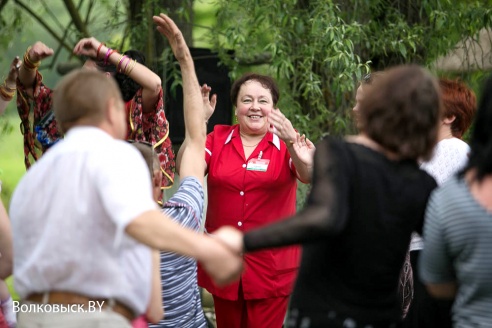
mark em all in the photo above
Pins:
pixel 355 231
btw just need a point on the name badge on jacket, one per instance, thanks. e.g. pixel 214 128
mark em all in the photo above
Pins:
pixel 258 164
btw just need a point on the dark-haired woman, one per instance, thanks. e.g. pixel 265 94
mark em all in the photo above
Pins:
pixel 253 167
pixel 140 87
pixel 368 195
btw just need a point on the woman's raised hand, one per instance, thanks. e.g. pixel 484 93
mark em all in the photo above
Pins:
pixel 209 103
pixel 13 73
pixel 281 126
pixel 170 30
pixel 87 47
pixel 39 51
pixel 304 149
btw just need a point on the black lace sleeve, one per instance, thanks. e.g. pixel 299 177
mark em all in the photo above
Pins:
pixel 327 207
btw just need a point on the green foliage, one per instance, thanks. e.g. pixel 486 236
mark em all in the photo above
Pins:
pixel 311 50
pixel 319 49
pixel 10 24
pixel 5 127
pixel 11 157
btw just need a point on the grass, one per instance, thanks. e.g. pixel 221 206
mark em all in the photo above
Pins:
pixel 10 285
pixel 11 158
pixel 11 169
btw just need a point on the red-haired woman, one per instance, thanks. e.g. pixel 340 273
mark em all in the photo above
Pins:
pixel 450 156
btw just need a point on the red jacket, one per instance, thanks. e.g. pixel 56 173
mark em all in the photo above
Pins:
pixel 247 199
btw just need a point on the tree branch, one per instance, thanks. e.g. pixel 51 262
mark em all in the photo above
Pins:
pixel 44 24
pixel 64 68
pixel 77 20
pixel 89 9
pixel 58 51
pixel 50 12
pixel 2 4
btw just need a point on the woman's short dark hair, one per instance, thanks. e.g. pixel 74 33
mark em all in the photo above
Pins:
pixel 481 136
pixel 458 101
pixel 266 81
pixel 128 86
pixel 401 111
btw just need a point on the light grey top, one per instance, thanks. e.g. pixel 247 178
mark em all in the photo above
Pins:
pixel 458 244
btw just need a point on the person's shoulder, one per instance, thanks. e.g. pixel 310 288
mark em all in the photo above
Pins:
pixel 125 151
pixel 455 183
pixel 332 143
pixel 220 134
pixel 425 172
pixel 451 194
pixel 341 149
pixel 429 182
pixel 190 189
pixel 189 186
pixel 221 129
pixel 112 152
pixel 189 198
pixel 334 151
pixel 453 144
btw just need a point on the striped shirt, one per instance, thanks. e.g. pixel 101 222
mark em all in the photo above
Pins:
pixel 458 244
pixel 180 293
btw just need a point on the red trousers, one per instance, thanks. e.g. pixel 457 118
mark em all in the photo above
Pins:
pixel 262 313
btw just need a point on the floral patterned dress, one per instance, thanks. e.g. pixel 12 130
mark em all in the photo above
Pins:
pixel 151 127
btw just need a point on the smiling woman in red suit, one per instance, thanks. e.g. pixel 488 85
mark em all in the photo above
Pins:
pixel 253 168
